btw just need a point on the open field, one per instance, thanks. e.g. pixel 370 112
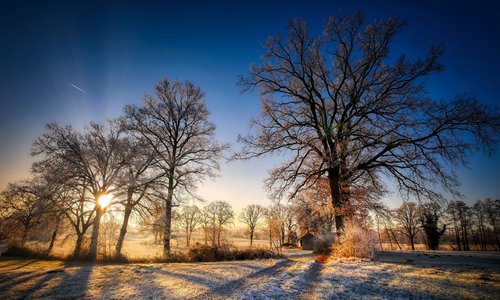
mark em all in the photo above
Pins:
pixel 420 275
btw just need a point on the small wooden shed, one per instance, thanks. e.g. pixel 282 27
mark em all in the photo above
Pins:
pixel 307 241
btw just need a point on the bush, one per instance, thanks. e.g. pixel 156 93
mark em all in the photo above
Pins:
pixel 202 253
pixel 355 242
pixel 19 250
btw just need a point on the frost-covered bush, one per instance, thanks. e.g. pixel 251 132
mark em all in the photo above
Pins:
pixel 355 242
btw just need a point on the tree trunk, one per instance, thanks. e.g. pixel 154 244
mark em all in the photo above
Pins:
pixel 24 237
pixel 334 181
pixel 94 240
pixel 218 235
pixel 251 236
pixel 78 245
pixel 123 230
pixel 53 238
pixel 168 212
pixel 168 225
pixel 412 242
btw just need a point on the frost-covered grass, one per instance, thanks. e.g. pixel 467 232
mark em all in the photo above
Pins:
pixel 53 279
pixel 412 275
pixel 397 275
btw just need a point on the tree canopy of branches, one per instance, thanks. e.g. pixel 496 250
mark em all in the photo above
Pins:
pixel 344 109
pixel 93 161
pixel 174 121
pixel 251 215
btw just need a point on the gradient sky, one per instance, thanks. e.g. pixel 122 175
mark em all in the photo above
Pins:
pixel 116 51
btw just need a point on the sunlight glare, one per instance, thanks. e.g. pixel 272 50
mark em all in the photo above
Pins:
pixel 104 200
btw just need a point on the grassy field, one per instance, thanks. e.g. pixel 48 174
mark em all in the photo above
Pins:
pixel 395 274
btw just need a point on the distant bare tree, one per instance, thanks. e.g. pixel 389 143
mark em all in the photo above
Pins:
pixel 407 217
pixel 251 215
pixel 344 109
pixel 478 212
pixel 189 218
pixel 221 214
pixel 21 208
pixel 460 215
pixel 174 121
pixel 492 210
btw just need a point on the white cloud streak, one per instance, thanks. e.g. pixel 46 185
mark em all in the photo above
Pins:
pixel 78 88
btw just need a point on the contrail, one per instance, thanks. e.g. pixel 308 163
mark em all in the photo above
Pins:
pixel 81 90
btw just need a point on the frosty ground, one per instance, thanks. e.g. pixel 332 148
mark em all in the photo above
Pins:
pixel 408 275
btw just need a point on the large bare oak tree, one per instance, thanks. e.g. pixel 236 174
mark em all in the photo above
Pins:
pixel 344 109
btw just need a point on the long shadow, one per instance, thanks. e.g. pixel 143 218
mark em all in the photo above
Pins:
pixel 191 278
pixel 16 279
pixel 72 285
pixel 15 264
pixel 231 286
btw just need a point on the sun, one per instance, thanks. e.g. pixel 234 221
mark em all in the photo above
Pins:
pixel 104 200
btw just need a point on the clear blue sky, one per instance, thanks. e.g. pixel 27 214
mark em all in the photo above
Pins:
pixel 117 50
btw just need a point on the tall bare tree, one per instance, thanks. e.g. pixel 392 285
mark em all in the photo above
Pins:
pixel 407 217
pixel 174 121
pixel 251 215
pixel 343 109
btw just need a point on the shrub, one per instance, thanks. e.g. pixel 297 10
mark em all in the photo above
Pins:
pixel 355 242
pixel 19 250
pixel 202 253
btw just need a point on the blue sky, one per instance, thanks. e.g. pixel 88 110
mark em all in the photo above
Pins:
pixel 116 51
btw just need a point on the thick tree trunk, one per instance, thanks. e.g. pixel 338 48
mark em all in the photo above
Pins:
pixel 251 237
pixel 123 230
pixel 412 242
pixel 334 181
pixel 78 245
pixel 94 239
pixel 168 222
pixel 168 212
pixel 218 235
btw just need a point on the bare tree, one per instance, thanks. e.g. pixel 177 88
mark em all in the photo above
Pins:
pixel 175 123
pixel 492 210
pixel 251 215
pixel 478 212
pixel 221 214
pixel 344 110
pixel 139 180
pixel 21 209
pixel 189 218
pixel 407 217
pixel 95 159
